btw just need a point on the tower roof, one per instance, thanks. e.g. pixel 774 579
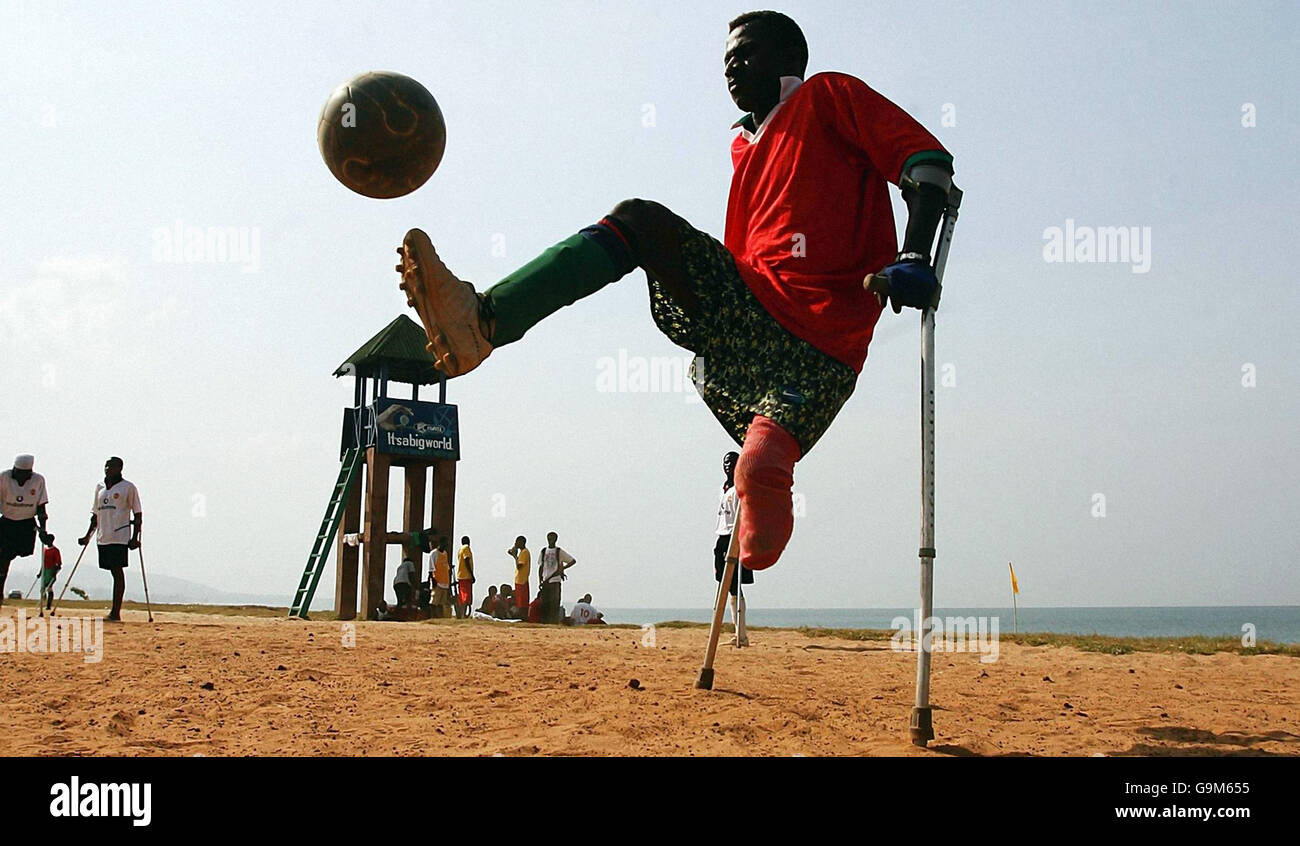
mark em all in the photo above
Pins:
pixel 400 348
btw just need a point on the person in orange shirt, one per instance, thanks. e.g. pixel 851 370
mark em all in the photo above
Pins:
pixel 523 568
pixel 464 579
pixel 440 578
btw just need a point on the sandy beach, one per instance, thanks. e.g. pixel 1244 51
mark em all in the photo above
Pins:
pixel 193 683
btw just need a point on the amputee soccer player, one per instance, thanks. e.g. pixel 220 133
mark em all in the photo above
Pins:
pixel 776 314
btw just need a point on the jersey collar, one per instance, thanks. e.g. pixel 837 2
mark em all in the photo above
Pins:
pixel 750 132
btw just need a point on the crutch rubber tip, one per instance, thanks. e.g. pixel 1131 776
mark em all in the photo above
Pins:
pixel 705 681
pixel 921 729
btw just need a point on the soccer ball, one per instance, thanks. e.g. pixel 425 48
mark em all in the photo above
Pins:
pixel 382 134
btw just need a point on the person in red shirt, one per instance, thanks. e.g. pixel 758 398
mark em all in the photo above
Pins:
pixel 51 563
pixel 776 314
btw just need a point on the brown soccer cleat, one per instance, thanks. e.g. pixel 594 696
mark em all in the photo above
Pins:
pixel 448 307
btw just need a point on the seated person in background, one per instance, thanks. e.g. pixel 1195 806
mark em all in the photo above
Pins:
pixel 382 612
pixel 535 611
pixel 490 601
pixel 505 603
pixel 585 614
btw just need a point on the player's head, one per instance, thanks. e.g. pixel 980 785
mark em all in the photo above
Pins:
pixel 586 597
pixel 113 468
pixel 761 48
pixel 464 540
pixel 521 542
pixel 729 463
pixel 492 590
pixel 23 468
pixel 551 538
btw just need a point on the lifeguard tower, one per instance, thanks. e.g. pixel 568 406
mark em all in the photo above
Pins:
pixel 381 432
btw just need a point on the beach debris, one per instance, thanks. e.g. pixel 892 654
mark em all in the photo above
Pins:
pixel 208 686
pixel 1047 679
pixel 635 684
pixel 281 668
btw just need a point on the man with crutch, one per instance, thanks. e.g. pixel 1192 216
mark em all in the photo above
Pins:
pixel 809 221
pixel 22 514
pixel 725 526
pixel 775 313
pixel 116 514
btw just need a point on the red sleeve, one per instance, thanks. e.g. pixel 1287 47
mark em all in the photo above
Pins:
pixel 870 123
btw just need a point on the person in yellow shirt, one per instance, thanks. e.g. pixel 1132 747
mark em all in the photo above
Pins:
pixel 464 579
pixel 441 579
pixel 523 568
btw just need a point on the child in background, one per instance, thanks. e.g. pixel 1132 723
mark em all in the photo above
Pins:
pixel 52 562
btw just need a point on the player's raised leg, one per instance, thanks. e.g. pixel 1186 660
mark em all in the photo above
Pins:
pixel 464 326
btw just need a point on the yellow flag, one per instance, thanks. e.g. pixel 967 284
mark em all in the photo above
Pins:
pixel 1015 588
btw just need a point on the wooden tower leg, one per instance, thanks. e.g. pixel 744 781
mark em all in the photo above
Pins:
pixel 417 484
pixel 372 574
pixel 345 582
pixel 444 503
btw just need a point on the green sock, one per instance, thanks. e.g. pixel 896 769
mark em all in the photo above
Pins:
pixel 574 268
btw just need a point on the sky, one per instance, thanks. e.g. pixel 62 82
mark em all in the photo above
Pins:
pixel 1123 431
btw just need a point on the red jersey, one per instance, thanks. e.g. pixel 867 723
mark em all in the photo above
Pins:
pixel 53 560
pixel 809 214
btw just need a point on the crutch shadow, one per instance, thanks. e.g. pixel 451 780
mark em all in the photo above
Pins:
pixel 955 751
pixel 741 694
pixel 881 648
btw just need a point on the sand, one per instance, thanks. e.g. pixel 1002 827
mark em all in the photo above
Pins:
pixel 192 684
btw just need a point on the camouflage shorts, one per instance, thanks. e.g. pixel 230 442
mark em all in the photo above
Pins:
pixel 745 362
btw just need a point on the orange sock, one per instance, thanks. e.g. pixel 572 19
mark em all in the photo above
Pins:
pixel 764 479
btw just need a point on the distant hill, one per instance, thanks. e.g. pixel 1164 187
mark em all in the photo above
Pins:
pixel 162 587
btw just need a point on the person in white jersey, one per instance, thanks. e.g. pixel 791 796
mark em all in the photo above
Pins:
pixel 22 514
pixel 727 522
pixel 585 614
pixel 116 514
pixel 554 561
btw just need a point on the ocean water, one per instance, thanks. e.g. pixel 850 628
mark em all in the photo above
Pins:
pixel 1278 623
